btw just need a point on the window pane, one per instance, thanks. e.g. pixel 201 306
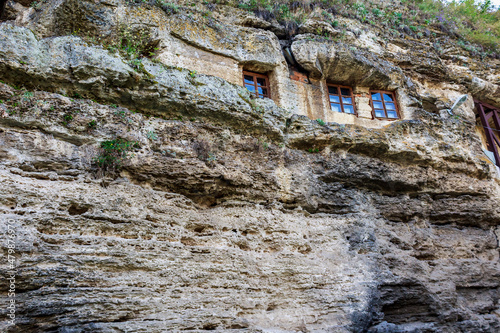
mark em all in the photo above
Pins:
pixel 390 106
pixel 333 90
pixel 261 81
pixel 376 97
pixel 379 113
pixel 388 97
pixel 262 91
pixel 378 105
pixel 334 99
pixel 392 114
pixel 346 100
pixel 336 107
pixel 250 88
pixel 248 79
pixel 345 91
pixel 348 109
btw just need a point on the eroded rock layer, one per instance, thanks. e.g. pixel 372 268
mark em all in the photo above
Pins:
pixel 230 213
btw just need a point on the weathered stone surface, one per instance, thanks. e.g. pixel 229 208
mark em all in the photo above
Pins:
pixel 318 27
pixel 226 214
pixel 338 62
pixel 150 234
pixel 247 45
pixel 79 68
pixel 11 10
pixel 65 17
pixel 485 91
pixel 66 60
pixel 104 19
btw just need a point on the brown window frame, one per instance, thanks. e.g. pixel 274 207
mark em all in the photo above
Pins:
pixel 486 113
pixel 340 98
pixel 256 86
pixel 395 101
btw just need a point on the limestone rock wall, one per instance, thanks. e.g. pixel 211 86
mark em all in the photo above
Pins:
pixel 230 213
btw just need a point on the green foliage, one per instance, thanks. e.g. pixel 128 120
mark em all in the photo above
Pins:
pixel 313 150
pixel 92 124
pixel 37 4
pixel 67 117
pixel 264 144
pixel 321 122
pixel 112 154
pixel 168 7
pixel 477 21
pixel 27 96
pixel 136 64
pixel 152 135
pixel 211 159
pixel 133 45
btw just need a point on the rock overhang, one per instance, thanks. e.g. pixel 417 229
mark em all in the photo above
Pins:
pixel 338 62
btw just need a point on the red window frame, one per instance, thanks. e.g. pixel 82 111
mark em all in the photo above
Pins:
pixel 341 102
pixel 384 109
pixel 266 89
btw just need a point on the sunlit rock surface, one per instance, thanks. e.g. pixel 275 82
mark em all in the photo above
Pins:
pixel 231 213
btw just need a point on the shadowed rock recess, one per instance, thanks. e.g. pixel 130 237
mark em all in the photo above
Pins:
pixel 149 191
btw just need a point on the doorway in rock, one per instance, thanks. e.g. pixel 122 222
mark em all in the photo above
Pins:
pixel 490 122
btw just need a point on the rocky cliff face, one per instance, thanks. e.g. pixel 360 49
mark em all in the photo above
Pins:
pixel 146 197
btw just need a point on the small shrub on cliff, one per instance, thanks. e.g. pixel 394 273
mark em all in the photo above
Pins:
pixel 152 135
pixel 168 6
pixel 92 124
pixel 133 45
pixel 321 122
pixel 37 4
pixel 202 148
pixel 204 151
pixel 264 144
pixel 28 95
pixel 68 117
pixel 112 154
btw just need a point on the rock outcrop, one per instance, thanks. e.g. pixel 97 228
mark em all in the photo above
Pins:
pixel 146 197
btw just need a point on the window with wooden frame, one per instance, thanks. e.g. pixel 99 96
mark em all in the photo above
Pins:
pixel 490 121
pixel 257 84
pixel 341 99
pixel 384 105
